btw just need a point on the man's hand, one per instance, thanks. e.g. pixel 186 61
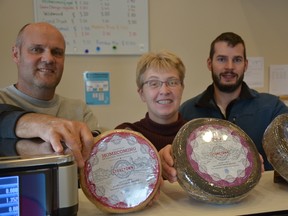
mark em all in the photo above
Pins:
pixel 61 133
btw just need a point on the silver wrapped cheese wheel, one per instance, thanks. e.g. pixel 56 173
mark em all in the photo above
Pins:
pixel 123 172
pixel 216 161
pixel 275 144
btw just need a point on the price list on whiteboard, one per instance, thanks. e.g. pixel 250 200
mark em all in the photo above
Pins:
pixel 91 27
pixel 9 195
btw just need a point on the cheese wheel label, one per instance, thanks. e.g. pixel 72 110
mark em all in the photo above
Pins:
pixel 215 160
pixel 219 155
pixel 122 170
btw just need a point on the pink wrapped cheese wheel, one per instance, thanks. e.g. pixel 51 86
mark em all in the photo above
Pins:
pixel 123 172
pixel 216 161
pixel 275 144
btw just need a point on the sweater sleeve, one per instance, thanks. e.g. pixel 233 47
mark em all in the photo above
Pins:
pixel 9 115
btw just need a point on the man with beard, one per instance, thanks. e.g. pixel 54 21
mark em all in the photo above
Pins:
pixel 39 54
pixel 229 97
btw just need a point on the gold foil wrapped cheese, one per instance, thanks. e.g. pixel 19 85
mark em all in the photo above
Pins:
pixel 216 161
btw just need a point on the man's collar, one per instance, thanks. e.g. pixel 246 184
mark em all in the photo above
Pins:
pixel 208 95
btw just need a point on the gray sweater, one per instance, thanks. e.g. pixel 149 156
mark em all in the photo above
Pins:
pixel 59 106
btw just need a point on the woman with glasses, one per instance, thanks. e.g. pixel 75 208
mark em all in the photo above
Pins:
pixel 160 82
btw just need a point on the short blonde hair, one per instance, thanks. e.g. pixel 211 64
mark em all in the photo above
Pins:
pixel 159 61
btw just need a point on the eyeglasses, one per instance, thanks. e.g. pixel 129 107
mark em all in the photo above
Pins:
pixel 154 84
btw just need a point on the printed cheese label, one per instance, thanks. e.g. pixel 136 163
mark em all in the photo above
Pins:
pixel 122 170
pixel 219 155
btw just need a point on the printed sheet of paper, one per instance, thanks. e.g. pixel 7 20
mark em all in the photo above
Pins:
pixel 254 75
pixel 97 88
pixel 278 83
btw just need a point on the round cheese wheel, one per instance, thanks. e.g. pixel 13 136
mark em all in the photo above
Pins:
pixel 216 161
pixel 275 144
pixel 122 173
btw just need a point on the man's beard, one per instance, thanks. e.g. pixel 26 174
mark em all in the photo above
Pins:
pixel 227 88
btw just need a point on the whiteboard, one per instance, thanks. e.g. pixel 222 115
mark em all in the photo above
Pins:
pixel 98 27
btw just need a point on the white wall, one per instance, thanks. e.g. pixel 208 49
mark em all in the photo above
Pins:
pixel 186 27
